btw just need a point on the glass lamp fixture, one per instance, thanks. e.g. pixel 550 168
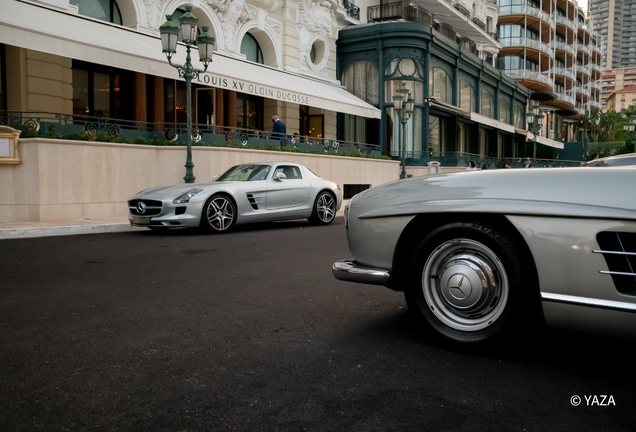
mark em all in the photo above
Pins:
pixel 397 102
pixel 169 35
pixel 189 26
pixel 206 46
pixel 410 104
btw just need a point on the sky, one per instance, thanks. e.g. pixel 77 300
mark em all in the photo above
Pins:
pixel 583 4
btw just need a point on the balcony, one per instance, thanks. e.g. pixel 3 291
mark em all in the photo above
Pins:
pixel 479 23
pixel 525 42
pixel 567 98
pixel 566 22
pixel 463 10
pixel 494 35
pixel 446 30
pixel 352 10
pixel 533 80
pixel 525 10
pixel 398 10
pixel 583 48
pixel 580 111
pixel 468 45
pixel 566 72
pixel 564 47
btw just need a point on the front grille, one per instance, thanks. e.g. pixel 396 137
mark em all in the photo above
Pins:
pixel 153 207
pixel 619 251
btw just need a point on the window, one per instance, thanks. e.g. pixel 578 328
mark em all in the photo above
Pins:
pixel 105 10
pixel 362 80
pixel 518 117
pixel 316 125
pixel 487 107
pixel 291 172
pixel 245 173
pixel 102 91
pixel 442 86
pixel 251 49
pixel 249 111
pixel 504 112
pixel 467 96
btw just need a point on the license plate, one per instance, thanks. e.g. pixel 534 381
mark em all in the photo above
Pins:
pixel 141 220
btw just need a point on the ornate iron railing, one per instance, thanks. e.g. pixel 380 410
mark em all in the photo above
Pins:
pixel 82 127
pixel 479 23
pixel 463 10
pixel 399 10
pixel 460 159
pixel 352 10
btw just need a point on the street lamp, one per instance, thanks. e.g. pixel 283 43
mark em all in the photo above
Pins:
pixel 404 104
pixel 169 35
pixel 534 119
pixel 630 127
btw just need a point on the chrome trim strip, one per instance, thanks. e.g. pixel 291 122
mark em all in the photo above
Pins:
pixel 587 301
pixel 617 273
pixel 348 270
pixel 614 252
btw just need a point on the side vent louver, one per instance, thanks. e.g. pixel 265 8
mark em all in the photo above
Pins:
pixel 619 251
pixel 252 201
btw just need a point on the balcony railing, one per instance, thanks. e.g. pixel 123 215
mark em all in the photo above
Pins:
pixel 494 35
pixel 525 10
pixel 462 9
pixel 564 47
pixel 89 128
pixel 461 159
pixel 398 10
pixel 566 22
pixel 583 48
pixel 566 72
pixel 479 23
pixel 525 42
pixel 352 10
pixel 528 74
pixel 468 45
pixel 446 30
pixel 566 97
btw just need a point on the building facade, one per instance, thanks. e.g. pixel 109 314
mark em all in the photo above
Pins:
pixel 549 47
pixel 614 80
pixel 102 59
pixel 465 108
pixel 622 99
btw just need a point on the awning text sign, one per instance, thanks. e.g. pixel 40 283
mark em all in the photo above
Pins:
pixel 254 89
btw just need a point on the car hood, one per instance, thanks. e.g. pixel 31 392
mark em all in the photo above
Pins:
pixel 582 191
pixel 171 192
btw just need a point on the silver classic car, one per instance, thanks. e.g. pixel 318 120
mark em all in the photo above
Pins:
pixel 258 192
pixel 482 253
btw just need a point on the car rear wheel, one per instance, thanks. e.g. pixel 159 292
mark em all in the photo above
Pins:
pixel 219 214
pixel 466 281
pixel 324 209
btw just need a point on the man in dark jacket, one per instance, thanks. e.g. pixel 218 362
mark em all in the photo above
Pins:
pixel 279 131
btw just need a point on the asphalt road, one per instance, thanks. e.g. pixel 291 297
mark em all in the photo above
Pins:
pixel 249 331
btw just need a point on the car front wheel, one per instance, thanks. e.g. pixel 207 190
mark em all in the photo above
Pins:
pixel 219 214
pixel 467 279
pixel 324 209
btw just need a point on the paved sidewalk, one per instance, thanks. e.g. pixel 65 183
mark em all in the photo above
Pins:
pixel 16 230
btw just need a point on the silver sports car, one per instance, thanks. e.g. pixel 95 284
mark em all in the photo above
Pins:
pixel 485 252
pixel 258 192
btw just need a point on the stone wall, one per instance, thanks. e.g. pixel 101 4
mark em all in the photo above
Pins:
pixel 62 179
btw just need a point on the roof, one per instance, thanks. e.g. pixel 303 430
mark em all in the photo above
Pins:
pixel 628 89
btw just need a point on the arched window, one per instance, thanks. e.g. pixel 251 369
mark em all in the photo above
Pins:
pixel 361 80
pixel 467 96
pixel 441 85
pixel 504 112
pixel 105 10
pixel 518 117
pixel 487 107
pixel 251 49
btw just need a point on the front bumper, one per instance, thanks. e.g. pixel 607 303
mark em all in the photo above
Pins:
pixel 348 270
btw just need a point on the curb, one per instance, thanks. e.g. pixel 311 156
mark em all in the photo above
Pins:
pixel 31 232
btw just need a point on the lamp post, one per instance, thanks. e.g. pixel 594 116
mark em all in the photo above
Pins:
pixel 169 35
pixel 403 104
pixel 630 127
pixel 534 119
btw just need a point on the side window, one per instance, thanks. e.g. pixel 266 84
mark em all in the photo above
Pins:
pixel 291 172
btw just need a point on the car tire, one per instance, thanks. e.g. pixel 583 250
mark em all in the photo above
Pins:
pixel 324 211
pixel 467 281
pixel 219 214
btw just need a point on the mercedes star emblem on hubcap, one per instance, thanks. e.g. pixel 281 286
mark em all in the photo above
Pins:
pixel 459 286
pixel 141 207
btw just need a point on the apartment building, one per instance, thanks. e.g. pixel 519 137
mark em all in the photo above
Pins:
pixel 614 80
pixel 622 99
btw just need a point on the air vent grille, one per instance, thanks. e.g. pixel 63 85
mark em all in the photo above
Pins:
pixel 619 251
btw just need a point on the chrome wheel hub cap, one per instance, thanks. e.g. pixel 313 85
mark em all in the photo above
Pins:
pixel 465 285
pixel 220 214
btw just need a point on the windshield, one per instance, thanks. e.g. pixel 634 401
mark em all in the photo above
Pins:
pixel 245 173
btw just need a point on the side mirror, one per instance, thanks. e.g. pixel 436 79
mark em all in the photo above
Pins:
pixel 215 178
pixel 280 176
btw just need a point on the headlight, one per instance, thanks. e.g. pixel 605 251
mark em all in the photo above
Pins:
pixel 186 196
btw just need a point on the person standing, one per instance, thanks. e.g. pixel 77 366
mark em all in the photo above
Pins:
pixel 279 131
